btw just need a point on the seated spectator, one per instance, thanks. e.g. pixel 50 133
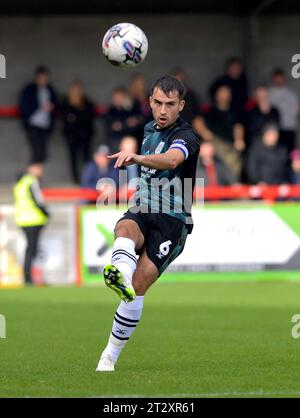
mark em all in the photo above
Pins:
pixel 222 126
pixel 192 105
pixel 100 167
pixel 78 117
pixel 286 101
pixel 268 161
pixel 123 118
pixel 235 78
pixel 295 166
pixel 130 144
pixel 263 113
pixel 211 168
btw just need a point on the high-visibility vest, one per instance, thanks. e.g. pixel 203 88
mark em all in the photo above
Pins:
pixel 27 213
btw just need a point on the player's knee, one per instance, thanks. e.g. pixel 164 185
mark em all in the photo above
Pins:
pixel 122 230
pixel 129 230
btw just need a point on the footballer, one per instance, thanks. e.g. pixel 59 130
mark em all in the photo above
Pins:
pixel 156 227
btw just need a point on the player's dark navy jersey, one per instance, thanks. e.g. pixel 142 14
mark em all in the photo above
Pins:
pixel 169 191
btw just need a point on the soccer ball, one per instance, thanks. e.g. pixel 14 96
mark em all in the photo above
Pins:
pixel 125 45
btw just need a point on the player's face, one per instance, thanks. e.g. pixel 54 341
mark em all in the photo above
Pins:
pixel 42 79
pixel 165 108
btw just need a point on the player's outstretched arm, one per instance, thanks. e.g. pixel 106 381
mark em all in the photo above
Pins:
pixel 166 161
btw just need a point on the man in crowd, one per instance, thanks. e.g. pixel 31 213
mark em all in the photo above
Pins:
pixel 286 101
pixel 222 126
pixel 37 104
pixel 192 105
pixel 268 160
pixel 122 118
pixel 263 113
pixel 234 78
pixel 98 168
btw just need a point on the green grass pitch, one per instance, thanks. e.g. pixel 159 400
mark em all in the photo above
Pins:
pixel 195 339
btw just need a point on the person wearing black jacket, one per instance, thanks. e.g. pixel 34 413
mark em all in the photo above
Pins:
pixel 37 105
pixel 268 161
pixel 123 118
pixel 260 115
pixel 78 120
pixel 235 78
pixel 192 104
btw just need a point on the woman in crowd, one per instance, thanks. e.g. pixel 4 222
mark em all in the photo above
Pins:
pixel 78 119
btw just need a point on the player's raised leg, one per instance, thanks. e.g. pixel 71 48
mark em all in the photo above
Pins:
pixel 118 274
pixel 128 315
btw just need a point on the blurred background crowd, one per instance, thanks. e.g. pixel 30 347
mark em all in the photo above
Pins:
pixel 64 109
pixel 247 137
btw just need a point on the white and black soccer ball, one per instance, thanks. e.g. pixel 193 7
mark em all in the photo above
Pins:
pixel 125 45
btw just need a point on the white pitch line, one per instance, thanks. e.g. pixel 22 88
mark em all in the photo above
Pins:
pixel 203 395
pixel 181 395
pixel 257 393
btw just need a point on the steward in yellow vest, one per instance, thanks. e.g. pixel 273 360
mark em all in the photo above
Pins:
pixel 30 212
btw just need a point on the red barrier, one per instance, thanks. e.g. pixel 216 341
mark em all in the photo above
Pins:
pixel 9 112
pixel 14 111
pixel 70 194
pixel 211 193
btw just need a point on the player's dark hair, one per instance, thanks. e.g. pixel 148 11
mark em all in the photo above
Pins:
pixel 270 127
pixel 168 83
pixel 233 60
pixel 41 69
pixel 120 89
pixel 261 86
pixel 278 71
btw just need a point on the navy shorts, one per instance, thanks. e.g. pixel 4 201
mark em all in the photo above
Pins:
pixel 164 236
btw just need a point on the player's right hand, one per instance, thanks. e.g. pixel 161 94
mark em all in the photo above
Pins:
pixel 124 158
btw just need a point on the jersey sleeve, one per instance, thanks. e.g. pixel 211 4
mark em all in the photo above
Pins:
pixel 187 142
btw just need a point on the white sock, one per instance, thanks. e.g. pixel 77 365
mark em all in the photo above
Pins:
pixel 124 256
pixel 126 319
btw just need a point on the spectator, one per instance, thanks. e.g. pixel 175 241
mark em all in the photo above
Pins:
pixel 139 94
pixel 268 160
pixel 295 166
pixel 100 167
pixel 37 104
pixel 30 213
pixel 263 113
pixel 123 118
pixel 78 118
pixel 212 169
pixel 286 101
pixel 222 126
pixel 130 144
pixel 235 78
pixel 192 105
